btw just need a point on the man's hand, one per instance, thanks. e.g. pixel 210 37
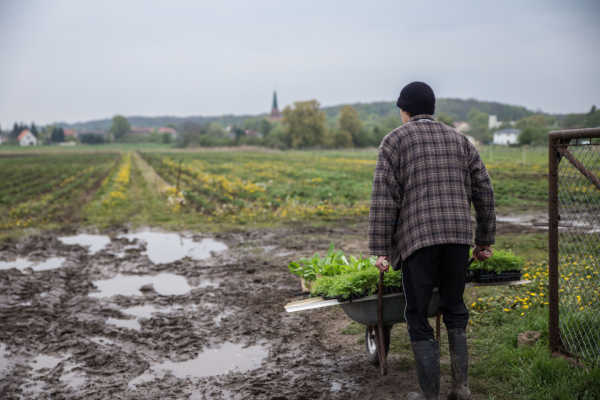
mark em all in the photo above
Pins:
pixel 482 253
pixel 382 263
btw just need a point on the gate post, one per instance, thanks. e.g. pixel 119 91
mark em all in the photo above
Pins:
pixel 553 328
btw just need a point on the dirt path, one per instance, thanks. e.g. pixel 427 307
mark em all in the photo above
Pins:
pixel 150 175
pixel 191 323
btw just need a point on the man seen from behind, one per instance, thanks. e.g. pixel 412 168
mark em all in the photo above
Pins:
pixel 426 178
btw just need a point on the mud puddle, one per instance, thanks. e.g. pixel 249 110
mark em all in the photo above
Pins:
pixel 72 377
pixel 125 323
pixel 219 360
pixel 43 361
pixel 165 284
pixel 23 263
pixel 3 358
pixel 94 243
pixel 164 248
pixel 137 313
pixel 146 311
pixel 584 223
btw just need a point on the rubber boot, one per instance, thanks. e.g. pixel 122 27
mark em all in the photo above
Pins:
pixel 459 361
pixel 427 358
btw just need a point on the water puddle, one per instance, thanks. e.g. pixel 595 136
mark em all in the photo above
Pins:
pixel 23 263
pixel 146 311
pixel 140 312
pixel 537 221
pixel 43 361
pixel 567 222
pixel 129 285
pixel 164 248
pixel 19 263
pixel 125 323
pixel 51 263
pixel 204 283
pixel 335 386
pixel 73 378
pixel 94 243
pixel 215 361
pixel 125 251
pixel 3 359
pixel 42 364
pixel 589 226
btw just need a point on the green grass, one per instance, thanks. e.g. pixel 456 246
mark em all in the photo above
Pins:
pixel 531 246
pixel 506 371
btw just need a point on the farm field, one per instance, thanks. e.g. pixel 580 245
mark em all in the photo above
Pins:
pixel 208 236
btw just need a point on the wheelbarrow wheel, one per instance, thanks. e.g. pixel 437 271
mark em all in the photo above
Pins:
pixel 371 342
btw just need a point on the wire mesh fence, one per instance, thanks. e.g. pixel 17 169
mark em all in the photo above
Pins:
pixel 575 243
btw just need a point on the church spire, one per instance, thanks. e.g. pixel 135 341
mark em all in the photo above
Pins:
pixel 275 109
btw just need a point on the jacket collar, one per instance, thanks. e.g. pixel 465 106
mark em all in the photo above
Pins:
pixel 421 116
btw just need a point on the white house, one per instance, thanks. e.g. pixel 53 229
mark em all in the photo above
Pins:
pixel 493 122
pixel 26 138
pixel 506 136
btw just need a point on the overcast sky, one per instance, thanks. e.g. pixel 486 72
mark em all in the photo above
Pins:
pixel 76 60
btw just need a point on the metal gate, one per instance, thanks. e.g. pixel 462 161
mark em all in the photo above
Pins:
pixel 574 243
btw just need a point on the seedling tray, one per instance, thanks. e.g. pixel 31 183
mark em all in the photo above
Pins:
pixel 483 276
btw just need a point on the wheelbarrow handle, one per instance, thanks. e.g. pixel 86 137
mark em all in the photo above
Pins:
pixel 380 337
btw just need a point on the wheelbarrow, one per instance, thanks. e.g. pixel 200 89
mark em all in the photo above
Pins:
pixel 364 311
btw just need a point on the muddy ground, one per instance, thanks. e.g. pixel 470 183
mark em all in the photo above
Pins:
pixel 220 333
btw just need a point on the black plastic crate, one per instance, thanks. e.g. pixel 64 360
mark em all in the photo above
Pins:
pixel 483 276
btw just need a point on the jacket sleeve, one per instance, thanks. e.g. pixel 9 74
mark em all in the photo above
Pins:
pixel 383 215
pixel 482 196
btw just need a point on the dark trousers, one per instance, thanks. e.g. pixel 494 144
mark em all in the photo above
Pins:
pixel 442 266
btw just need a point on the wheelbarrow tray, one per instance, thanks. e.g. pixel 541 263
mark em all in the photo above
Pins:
pixel 364 310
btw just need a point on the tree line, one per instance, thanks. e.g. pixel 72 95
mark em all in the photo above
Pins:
pixel 533 128
pixel 303 125
pixel 306 125
pixel 46 134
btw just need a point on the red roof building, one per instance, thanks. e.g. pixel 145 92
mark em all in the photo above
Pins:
pixel 26 138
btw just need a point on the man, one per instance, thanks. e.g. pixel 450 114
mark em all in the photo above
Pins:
pixel 426 178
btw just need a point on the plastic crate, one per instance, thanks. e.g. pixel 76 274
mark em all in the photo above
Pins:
pixel 483 276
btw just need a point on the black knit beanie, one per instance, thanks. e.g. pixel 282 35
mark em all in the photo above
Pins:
pixel 417 98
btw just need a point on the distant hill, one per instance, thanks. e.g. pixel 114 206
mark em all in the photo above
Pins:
pixel 155 122
pixel 457 108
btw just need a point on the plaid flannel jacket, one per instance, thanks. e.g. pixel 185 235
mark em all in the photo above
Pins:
pixel 426 177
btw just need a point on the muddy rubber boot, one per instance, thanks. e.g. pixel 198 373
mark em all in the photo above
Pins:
pixel 459 361
pixel 427 358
